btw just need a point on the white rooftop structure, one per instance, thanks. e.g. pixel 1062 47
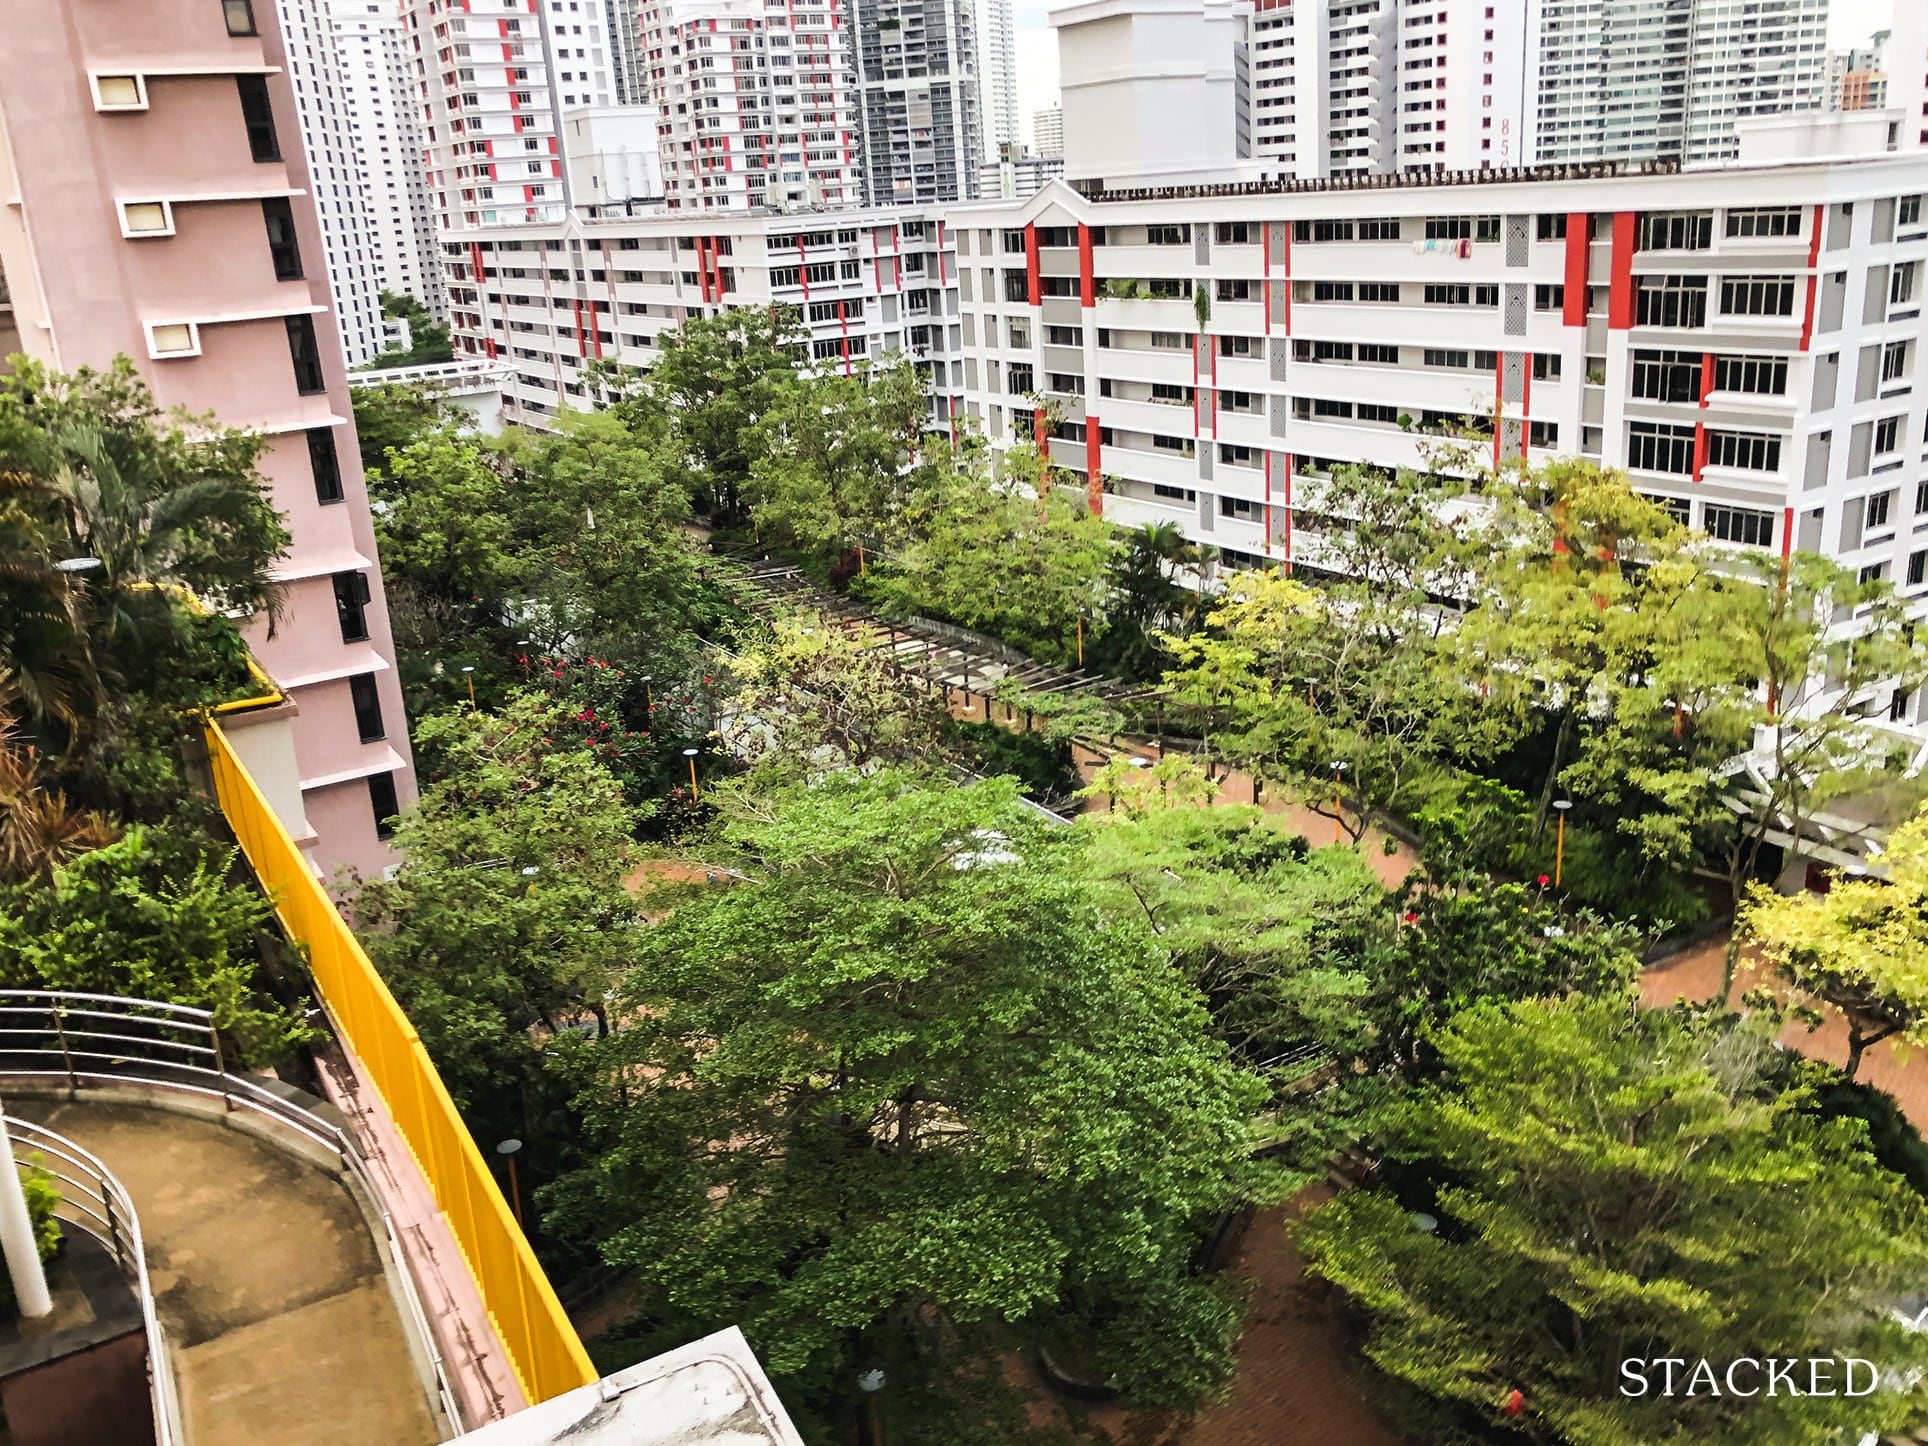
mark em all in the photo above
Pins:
pixel 710 1392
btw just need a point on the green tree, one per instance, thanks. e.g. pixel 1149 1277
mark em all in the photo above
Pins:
pixel 507 920
pixel 395 414
pixel 46 667
pixel 428 339
pixel 1611 1183
pixel 151 916
pixel 1860 950
pixel 716 377
pixel 154 498
pixel 1272 933
pixel 1006 558
pixel 1144 599
pixel 907 1082
pixel 840 457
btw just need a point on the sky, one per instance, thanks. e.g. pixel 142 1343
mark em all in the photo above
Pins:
pixel 1849 23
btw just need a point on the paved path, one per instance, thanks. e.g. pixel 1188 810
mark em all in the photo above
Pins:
pixel 280 1320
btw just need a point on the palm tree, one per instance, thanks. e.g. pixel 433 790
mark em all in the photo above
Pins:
pixel 46 669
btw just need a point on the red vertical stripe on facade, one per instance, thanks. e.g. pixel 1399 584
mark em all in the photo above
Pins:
pixel 1706 376
pixel 1288 514
pixel 803 267
pixel 1787 533
pixel 582 345
pixel 1265 288
pixel 1094 466
pixel 1288 281
pixel 1499 406
pixel 1620 300
pixel 1813 281
pixel 1700 449
pixel 1031 275
pixel 1526 405
pixel 1578 246
pixel 1087 270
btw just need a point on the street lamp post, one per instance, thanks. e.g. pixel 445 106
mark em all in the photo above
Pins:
pixel 1559 844
pixel 507 1150
pixel 649 697
pixel 1338 802
pixel 696 795
pixel 469 673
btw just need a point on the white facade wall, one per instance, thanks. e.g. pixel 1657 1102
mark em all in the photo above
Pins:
pixel 314 72
pixel 868 282
pixel 1153 89
pixel 1906 59
pixel 610 152
pixel 492 81
pixel 1787 406
pixel 376 87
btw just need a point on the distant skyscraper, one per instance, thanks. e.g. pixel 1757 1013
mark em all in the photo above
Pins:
pixel 997 52
pixel 1047 133
pixel 1857 77
pixel 1632 79
pixel 917 97
pixel 624 19
pixel 314 73
pixel 378 97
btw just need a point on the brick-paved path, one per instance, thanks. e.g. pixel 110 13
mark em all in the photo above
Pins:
pixel 1293 1386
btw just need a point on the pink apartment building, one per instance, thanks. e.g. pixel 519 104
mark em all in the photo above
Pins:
pixel 155 201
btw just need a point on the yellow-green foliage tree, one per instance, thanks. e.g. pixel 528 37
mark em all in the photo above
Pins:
pixel 1860 950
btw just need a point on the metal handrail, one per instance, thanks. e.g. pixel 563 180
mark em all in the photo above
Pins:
pixel 183 1054
pixel 91 1199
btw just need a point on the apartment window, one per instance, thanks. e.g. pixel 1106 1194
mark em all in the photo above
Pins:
pixel 1379 353
pixel 1873 572
pixel 351 606
pixel 1921 498
pixel 1063 336
pixel 1173 494
pixel 1236 233
pixel 1887 436
pixel 1235 289
pixel 1765 221
pixel 1666 376
pixel 1757 296
pixel 1880 504
pixel 1171 394
pixel 1308 231
pixel 1326 407
pixel 258 116
pixel 1167 235
pixel 1543 434
pixel 1747 526
pixel 381 797
pixel 1378 412
pixel 368 707
pixel 1448 294
pixel 1381 229
pixel 1748 451
pixel 1677 231
pixel 325 464
pixel 1237 456
pixel 282 246
pixel 1237 507
pixel 1760 375
pixel 1894 362
pixel 1901 283
pixel 1917 568
pixel 1332 291
pixel 1549 298
pixel 1169 341
pixel 1654 447
pixel 1439 357
pixel 306 355
pixel 1379 291
pixel 1247 346
pixel 1672 301
pixel 1174 444
pixel 1550 227
pixel 1908 213
pixel 240 16
pixel 1546 366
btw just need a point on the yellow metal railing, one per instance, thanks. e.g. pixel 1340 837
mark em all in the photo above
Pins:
pixel 543 1348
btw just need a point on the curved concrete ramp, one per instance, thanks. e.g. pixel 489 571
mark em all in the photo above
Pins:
pixel 283 1328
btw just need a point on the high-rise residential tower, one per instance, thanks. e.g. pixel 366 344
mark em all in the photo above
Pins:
pixel 918 99
pixel 493 79
pixel 997 63
pixel 1633 79
pixel 204 264
pixel 377 89
pixel 1047 133
pixel 314 73
pixel 755 102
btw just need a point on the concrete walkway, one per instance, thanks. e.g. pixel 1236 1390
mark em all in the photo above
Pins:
pixel 280 1319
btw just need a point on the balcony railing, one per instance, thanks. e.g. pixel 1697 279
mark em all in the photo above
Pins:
pixel 542 1346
